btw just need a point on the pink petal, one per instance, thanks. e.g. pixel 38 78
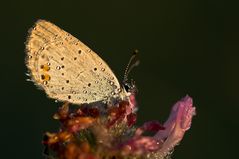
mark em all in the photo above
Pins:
pixel 179 121
pixel 132 102
pixel 130 115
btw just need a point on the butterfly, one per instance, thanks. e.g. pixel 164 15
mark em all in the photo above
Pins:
pixel 68 70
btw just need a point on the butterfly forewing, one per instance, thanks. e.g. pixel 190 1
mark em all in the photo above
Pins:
pixel 66 68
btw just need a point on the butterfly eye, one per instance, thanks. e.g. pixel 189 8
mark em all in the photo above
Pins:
pixel 130 86
pixel 126 87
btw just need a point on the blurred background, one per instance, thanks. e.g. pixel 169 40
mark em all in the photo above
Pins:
pixel 185 47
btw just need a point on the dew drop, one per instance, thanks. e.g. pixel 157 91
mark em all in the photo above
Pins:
pixel 58 67
pixel 48 63
pixel 118 90
pixel 103 69
pixel 79 51
pixel 29 56
pixel 96 82
pixel 45 82
pixel 84 91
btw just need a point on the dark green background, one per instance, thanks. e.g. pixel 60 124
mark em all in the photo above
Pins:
pixel 186 47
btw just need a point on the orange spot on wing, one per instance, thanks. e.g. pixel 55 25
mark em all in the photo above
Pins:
pixel 45 77
pixel 45 67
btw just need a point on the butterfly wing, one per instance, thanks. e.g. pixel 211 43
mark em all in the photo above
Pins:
pixel 66 68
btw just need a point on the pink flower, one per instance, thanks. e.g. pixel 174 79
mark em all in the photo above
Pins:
pixel 92 133
pixel 168 135
pixel 178 122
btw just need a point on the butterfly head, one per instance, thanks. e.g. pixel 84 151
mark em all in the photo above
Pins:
pixel 129 85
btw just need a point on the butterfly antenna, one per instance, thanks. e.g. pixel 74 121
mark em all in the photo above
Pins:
pixel 131 65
